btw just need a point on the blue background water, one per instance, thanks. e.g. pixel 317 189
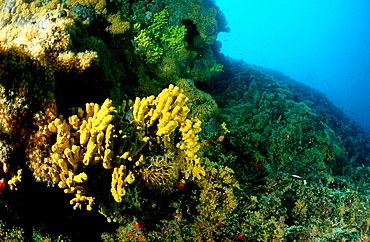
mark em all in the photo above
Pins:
pixel 322 43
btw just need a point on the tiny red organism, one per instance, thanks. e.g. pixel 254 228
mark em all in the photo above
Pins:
pixel 208 142
pixel 258 166
pixel 130 234
pixel 180 185
pixel 269 190
pixel 139 225
pixel 240 235
pixel 221 138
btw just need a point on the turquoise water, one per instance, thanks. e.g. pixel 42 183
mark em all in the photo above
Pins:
pixel 324 44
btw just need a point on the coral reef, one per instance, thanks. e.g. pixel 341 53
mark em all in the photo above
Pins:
pixel 211 149
pixel 100 135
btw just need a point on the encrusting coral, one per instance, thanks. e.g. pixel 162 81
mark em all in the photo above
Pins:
pixel 201 104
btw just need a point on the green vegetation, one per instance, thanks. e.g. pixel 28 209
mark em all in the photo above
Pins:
pixel 157 36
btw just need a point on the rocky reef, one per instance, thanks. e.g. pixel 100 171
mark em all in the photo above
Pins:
pixel 122 121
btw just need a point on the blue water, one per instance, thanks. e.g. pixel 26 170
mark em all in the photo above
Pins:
pixel 324 44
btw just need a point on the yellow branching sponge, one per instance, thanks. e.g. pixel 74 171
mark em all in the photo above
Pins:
pixel 15 180
pixel 190 146
pixel 81 199
pixel 82 140
pixel 119 181
pixel 115 140
pixel 168 112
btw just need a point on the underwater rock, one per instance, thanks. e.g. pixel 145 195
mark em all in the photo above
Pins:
pixel 62 13
pixel 85 13
pixel 8 6
pixel 44 21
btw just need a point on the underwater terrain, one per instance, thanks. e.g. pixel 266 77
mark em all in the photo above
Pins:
pixel 122 121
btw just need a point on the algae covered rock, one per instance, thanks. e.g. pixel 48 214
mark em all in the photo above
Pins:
pixel 202 105
pixel 281 134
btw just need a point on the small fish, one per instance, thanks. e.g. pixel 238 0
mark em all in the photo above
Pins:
pixel 296 176
pixel 279 118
